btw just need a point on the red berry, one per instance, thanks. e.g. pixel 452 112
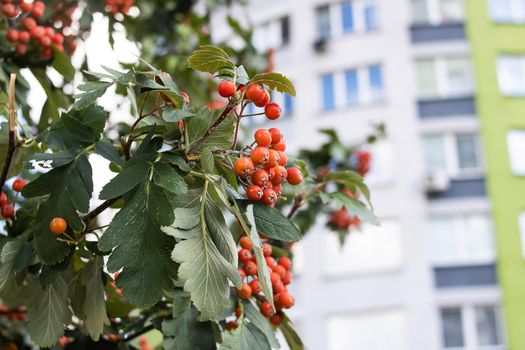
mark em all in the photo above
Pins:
pixel 263 137
pixel 278 286
pixel 272 111
pixel 281 146
pixel 269 197
pixel 285 262
pixel 242 273
pixel 256 286
pixel 260 178
pixel 260 155
pixel 273 159
pixel 29 23
pixel 277 136
pixel 251 268
pixel 12 35
pixel 267 249
pixel 18 185
pixel 280 270
pixel 58 39
pixel 37 12
pixel 245 255
pixel 21 49
pixel 294 176
pixel 8 211
pixel 266 309
pixel 231 325
pixel 246 243
pixel 243 167
pixel 254 193
pixel 24 37
pixel 279 175
pixel 245 292
pixel 58 226
pixel 287 278
pixel 276 319
pixel 270 262
pixel 255 93
pixel 226 88
pixel 238 311
pixel 37 32
pixel 26 7
pixel 286 300
pixel 264 101
pixel 3 199
pixel 283 159
pixel 9 10
pixel 45 41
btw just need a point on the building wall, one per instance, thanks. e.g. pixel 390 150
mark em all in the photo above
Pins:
pixel 499 115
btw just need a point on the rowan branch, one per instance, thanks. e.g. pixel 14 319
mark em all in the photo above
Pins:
pixel 215 125
pixel 12 132
pixel 98 210
pixel 297 204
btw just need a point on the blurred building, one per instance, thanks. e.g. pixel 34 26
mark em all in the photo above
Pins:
pixel 446 269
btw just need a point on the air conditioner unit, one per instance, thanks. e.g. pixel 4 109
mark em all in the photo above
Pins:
pixel 437 181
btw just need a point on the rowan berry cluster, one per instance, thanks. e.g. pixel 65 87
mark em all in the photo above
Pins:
pixel 7 209
pixel 263 172
pixel 361 162
pixel 12 313
pixel 280 277
pixel 26 33
pixel 118 6
pixel 342 220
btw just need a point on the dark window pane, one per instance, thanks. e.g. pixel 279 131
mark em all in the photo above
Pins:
pixel 451 321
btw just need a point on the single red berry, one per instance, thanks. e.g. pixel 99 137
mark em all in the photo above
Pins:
pixel 278 286
pixel 273 159
pixel 231 325
pixel 238 311
pixel 283 158
pixel 226 88
pixel 37 32
pixel 246 243
pixel 266 309
pixel 286 300
pixel 12 35
pixel 242 273
pixel 26 6
pixel 3 199
pixel 285 262
pixel 254 193
pixel 260 155
pixel 37 12
pixel 8 211
pixel 243 167
pixel 29 23
pixel 279 175
pixel 272 111
pixel 263 137
pixel 278 189
pixel 260 178
pixel 287 278
pixel 277 136
pixel 251 268
pixel 276 319
pixel 256 286
pixel 18 185
pixel 255 93
pixel 245 292
pixel 280 270
pixel 58 226
pixel 24 37
pixel 267 249
pixel 245 255
pixel 9 10
pixel 269 197
pixel 270 262
pixel 294 176
pixel 58 39
pixel 281 146
pixel 45 41
pixel 264 101
pixel 21 49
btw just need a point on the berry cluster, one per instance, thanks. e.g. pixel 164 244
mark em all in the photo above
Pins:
pixel 361 162
pixel 118 6
pixel 342 220
pixel 280 276
pixel 26 33
pixel 7 209
pixel 12 313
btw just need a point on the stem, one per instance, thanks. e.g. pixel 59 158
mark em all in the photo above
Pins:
pixel 215 125
pixel 12 132
pixel 239 117
pixel 297 203
pixel 137 334
pixel 98 210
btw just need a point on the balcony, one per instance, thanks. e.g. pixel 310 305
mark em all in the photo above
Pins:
pixel 428 33
pixel 446 107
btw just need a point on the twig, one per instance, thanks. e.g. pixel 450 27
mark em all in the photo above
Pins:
pixel 297 204
pixel 131 336
pixel 12 132
pixel 95 212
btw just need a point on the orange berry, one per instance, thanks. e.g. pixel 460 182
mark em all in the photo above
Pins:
pixel 58 226
pixel 243 167
pixel 245 243
pixel 294 176
pixel 276 319
pixel 260 155
pixel 272 111
pixel 244 292
pixel 254 193
pixel 266 309
pixel 285 262
pixel 226 88
pixel 281 146
pixel 279 175
pixel 251 268
pixel 273 159
pixel 18 185
pixel 8 211
pixel 264 101
pixel 269 197
pixel 256 286
pixel 276 135
pixel 260 178
pixel 255 93
pixel 267 249
pixel 245 255
pixel 263 137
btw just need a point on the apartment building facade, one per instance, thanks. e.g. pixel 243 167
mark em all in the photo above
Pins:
pixel 443 270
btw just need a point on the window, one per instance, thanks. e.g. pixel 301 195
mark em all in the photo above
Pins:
pixel 328 92
pixel 507 11
pixel 511 75
pixel 461 239
pixel 360 86
pixel 472 327
pixel 455 155
pixel 444 77
pixel 272 35
pixel 516 145
pixel 356 16
pixel 361 330
pixel 437 12
pixel 373 249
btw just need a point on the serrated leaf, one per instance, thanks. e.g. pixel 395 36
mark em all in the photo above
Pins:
pixel 48 314
pixel 172 114
pixel 222 137
pixel 207 160
pixel 275 81
pixel 89 97
pixel 350 179
pixel 21 156
pixel 105 148
pixel 258 320
pixel 245 336
pixel 184 331
pixel 7 258
pixel 139 246
pixel 242 75
pixel 130 177
pixel 166 177
pixel 177 160
pixel 293 340
pixel 272 223
pixel 210 59
pixel 62 63
pixel 204 270
pixel 355 207
pixel 94 307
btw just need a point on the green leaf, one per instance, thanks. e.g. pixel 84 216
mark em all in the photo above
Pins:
pixel 62 63
pixel 258 320
pixel 69 189
pixel 139 246
pixel 272 223
pixel 203 255
pixel 210 59
pixel 207 160
pixel 355 207
pixel 184 331
pixel 90 96
pixel 262 268
pixel 245 336
pixel 7 259
pixel 105 148
pixel 222 137
pixel 172 114
pixel 21 156
pixel 130 177
pixel 177 161
pixel 350 179
pixel 48 314
pixel 275 81
pixel 166 177
pixel 94 307
pixel 293 340
pixel 242 76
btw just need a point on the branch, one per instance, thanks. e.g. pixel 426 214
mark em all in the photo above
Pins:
pixel 131 336
pixel 215 125
pixel 12 132
pixel 98 210
pixel 297 204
